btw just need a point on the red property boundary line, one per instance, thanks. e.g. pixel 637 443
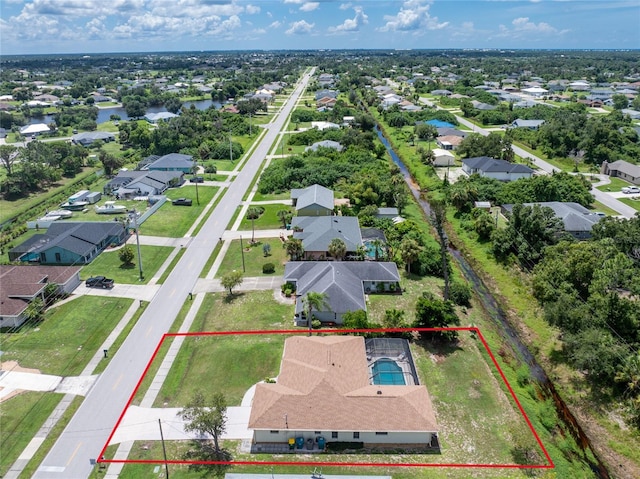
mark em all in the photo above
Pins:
pixel 475 330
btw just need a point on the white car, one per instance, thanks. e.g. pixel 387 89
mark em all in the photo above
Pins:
pixel 630 190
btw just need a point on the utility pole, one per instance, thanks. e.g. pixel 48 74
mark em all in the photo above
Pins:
pixel 164 451
pixel 242 253
pixel 230 148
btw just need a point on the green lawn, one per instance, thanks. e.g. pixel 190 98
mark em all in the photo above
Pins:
pixel 267 220
pixel 68 337
pixel 21 417
pixel 634 203
pixel 109 264
pixel 175 221
pixel 253 257
pixel 616 184
pixel 286 195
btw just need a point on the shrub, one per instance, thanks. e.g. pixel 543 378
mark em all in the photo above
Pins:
pixel 288 286
pixel 460 293
pixel 268 268
pixel 342 446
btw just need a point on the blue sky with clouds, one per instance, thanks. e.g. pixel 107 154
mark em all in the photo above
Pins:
pixel 92 26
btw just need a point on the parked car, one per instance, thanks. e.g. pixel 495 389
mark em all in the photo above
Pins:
pixel 197 179
pixel 99 282
pixel 631 190
pixel 182 202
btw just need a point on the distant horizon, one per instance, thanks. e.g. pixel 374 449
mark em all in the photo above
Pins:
pixel 74 27
pixel 158 52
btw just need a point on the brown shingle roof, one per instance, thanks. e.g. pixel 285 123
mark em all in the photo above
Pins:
pixel 324 385
pixel 19 282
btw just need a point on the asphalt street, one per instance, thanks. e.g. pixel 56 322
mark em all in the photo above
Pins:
pixel 82 440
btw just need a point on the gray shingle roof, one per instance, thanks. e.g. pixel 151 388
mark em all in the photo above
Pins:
pixel 575 217
pixel 491 165
pixel 340 280
pixel 173 160
pixel 313 195
pixel 318 231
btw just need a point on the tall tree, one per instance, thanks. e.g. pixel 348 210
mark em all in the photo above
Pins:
pixel 432 312
pixel 284 216
pixel 294 249
pixel 409 252
pixel 8 155
pixel 314 301
pixel 438 219
pixel 337 249
pixel 253 213
pixel 207 417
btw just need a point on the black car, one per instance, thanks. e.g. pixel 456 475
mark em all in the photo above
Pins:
pixel 99 282
pixel 182 202
pixel 197 179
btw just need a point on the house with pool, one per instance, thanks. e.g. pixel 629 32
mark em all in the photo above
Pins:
pixel 344 389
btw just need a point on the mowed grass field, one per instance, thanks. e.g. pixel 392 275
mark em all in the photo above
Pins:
pixel 254 257
pixel 108 264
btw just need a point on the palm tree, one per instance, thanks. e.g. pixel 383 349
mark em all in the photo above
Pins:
pixel 377 244
pixel 294 248
pixel 314 301
pixel 253 214
pixel 284 216
pixel 337 248
pixel 409 251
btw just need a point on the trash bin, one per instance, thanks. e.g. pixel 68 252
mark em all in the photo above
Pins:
pixel 292 443
pixel 310 444
pixel 299 442
pixel 321 443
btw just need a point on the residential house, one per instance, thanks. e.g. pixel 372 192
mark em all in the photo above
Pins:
pixel 88 138
pixel 316 233
pixel 344 283
pixel 70 243
pixel 327 389
pixel 388 213
pixel 535 91
pixel 442 157
pixel 324 125
pixel 530 124
pixel 320 94
pixel 449 142
pixel 633 114
pixel 622 169
pixel 325 144
pixel 325 79
pixel 498 169
pixel 447 131
pixel 326 102
pixel 441 93
pixel 577 219
pixel 173 162
pixel 314 200
pixel 23 284
pixel 154 118
pixel 34 129
pixel 151 183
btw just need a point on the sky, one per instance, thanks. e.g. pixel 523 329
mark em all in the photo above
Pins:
pixel 100 26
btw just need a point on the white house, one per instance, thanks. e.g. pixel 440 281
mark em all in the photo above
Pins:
pixel 326 389
pixel 443 157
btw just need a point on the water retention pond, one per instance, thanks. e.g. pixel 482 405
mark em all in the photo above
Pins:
pixel 504 327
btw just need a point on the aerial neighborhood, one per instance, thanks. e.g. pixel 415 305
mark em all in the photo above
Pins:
pixel 227 263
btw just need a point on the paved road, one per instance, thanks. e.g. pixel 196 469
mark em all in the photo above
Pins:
pixel 601 196
pixel 89 429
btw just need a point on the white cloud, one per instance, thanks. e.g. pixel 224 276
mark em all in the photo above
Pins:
pixel 276 24
pixel 523 26
pixel 309 6
pixel 252 9
pixel 300 27
pixel 345 6
pixel 352 24
pixel 413 15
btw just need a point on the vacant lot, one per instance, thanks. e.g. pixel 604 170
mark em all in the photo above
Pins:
pixel 267 220
pixel 254 257
pixel 174 221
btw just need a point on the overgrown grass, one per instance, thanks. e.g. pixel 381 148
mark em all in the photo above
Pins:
pixel 253 257
pixel 68 337
pixel 109 264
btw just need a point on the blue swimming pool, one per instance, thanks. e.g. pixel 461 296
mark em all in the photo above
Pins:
pixel 387 372
pixel 371 250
